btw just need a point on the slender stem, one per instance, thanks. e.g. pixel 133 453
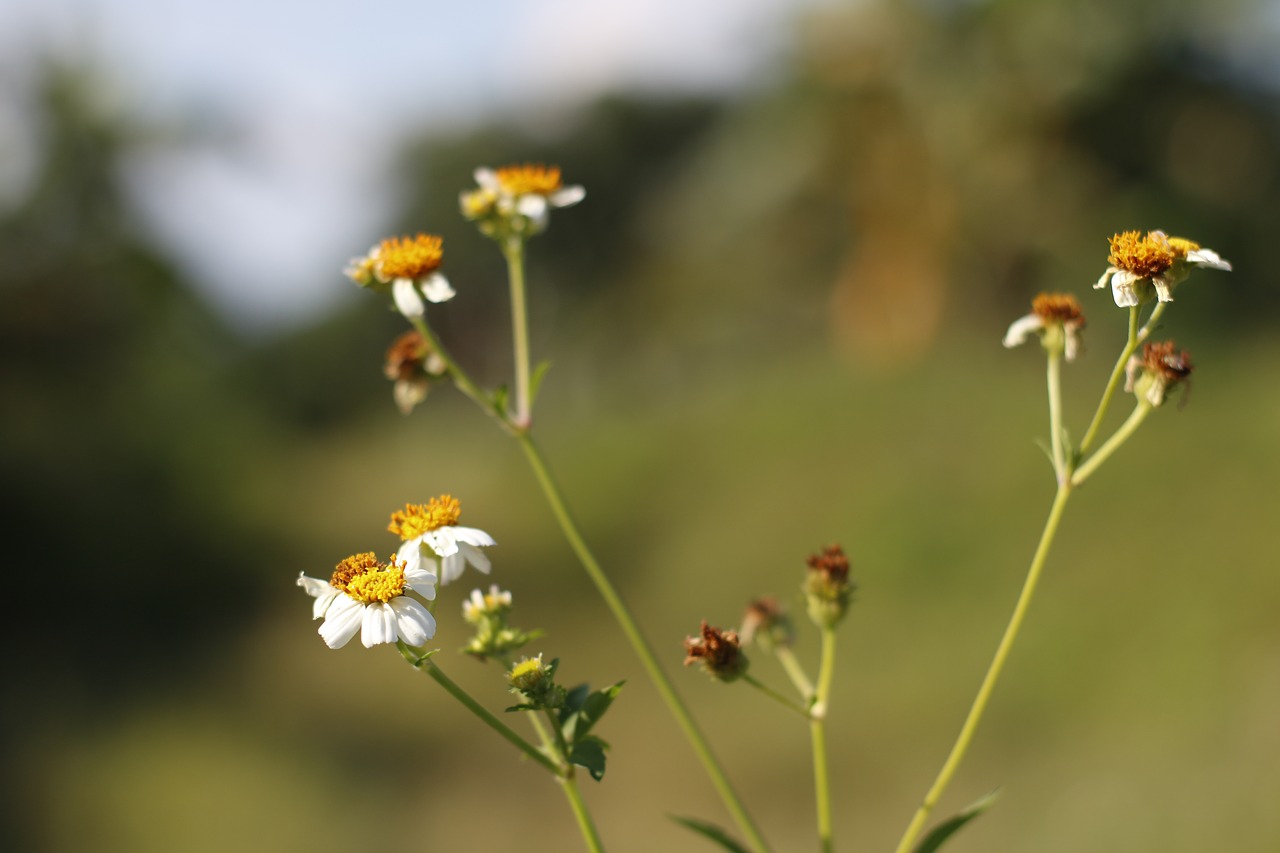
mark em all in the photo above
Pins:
pixel 795 672
pixel 429 667
pixel 544 735
pixel 513 251
pixel 775 695
pixel 639 644
pixel 460 378
pixel 1114 381
pixel 1113 443
pixel 1054 381
pixel 993 673
pixel 818 734
pixel 579 806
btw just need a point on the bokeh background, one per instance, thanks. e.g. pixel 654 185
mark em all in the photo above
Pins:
pixel 774 324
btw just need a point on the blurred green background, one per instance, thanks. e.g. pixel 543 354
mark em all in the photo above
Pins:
pixel 774 324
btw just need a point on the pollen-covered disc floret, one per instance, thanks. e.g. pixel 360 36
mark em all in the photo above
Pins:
pixel 1057 318
pixel 1155 262
pixel 409 267
pixel 1160 369
pixel 369 596
pixel 434 525
pixel 518 198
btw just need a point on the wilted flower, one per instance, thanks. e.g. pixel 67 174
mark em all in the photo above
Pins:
pixel 1139 265
pixel 412 365
pixel 370 597
pixel 409 267
pixel 434 525
pixel 719 652
pixel 1057 318
pixel 520 195
pixel 1161 368
pixel 827 588
pixel 767 625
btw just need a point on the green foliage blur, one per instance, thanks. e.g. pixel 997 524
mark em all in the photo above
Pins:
pixel 774 324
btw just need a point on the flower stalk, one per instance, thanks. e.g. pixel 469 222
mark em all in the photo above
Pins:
pixel 818 735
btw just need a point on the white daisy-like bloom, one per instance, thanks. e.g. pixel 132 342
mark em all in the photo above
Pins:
pixel 1050 311
pixel 369 597
pixel 434 525
pixel 1155 263
pixel 480 604
pixel 410 266
pixel 531 191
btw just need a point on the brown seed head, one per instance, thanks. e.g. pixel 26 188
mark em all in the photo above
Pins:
pixel 1058 308
pixel 720 652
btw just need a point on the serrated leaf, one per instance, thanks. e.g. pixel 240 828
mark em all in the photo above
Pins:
pixel 949 827
pixel 589 753
pixel 535 381
pixel 712 832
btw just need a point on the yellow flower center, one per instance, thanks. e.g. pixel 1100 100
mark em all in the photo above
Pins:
pixel 1145 257
pixel 366 580
pixel 409 257
pixel 528 179
pixel 1181 246
pixel 1057 308
pixel 417 519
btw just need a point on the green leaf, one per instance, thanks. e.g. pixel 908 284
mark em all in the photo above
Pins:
pixel 499 399
pixel 948 827
pixel 535 381
pixel 712 832
pixel 592 708
pixel 524 706
pixel 573 701
pixel 589 753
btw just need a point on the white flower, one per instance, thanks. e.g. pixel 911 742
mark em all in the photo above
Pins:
pixel 480 605
pixel 367 596
pixel 410 266
pixel 531 191
pixel 1157 262
pixel 433 525
pixel 1057 316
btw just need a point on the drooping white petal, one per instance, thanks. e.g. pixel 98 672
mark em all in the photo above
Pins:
pixel 1102 282
pixel 341 622
pixel 414 622
pixel 1073 344
pixel 436 288
pixel 421 581
pixel 474 556
pixel 1164 288
pixel 1123 290
pixel 472 536
pixel 1022 328
pixel 408 301
pixel 532 205
pixel 451 567
pixel 441 541
pixel 410 553
pixel 487 178
pixel 323 592
pixel 1208 258
pixel 566 196
pixel 379 625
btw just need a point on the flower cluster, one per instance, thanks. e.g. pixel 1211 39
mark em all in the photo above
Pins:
pixel 487 611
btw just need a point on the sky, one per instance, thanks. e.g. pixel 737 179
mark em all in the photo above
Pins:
pixel 309 98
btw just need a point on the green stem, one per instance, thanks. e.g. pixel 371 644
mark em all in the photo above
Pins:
pixel 775 695
pixel 818 734
pixel 641 646
pixel 1136 337
pixel 585 824
pixel 513 251
pixel 795 672
pixel 429 667
pixel 970 726
pixel 1113 443
pixel 460 377
pixel 1054 381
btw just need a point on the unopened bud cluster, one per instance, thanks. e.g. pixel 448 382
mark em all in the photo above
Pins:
pixel 828 589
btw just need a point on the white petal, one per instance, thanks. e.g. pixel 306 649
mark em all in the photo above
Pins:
pixel 322 603
pixel 532 205
pixel 487 178
pixel 314 586
pixel 410 554
pixel 1102 282
pixel 436 288
pixel 566 196
pixel 1164 288
pixel 406 297
pixel 474 556
pixel 451 568
pixel 441 541
pixel 1123 290
pixel 415 622
pixel 1021 328
pixel 1208 258
pixel 1073 345
pixel 472 536
pixel 422 581
pixel 341 622
pixel 379 625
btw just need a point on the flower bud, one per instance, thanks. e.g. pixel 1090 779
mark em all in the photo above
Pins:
pixel 534 681
pixel 719 652
pixel 767 625
pixel 827 588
